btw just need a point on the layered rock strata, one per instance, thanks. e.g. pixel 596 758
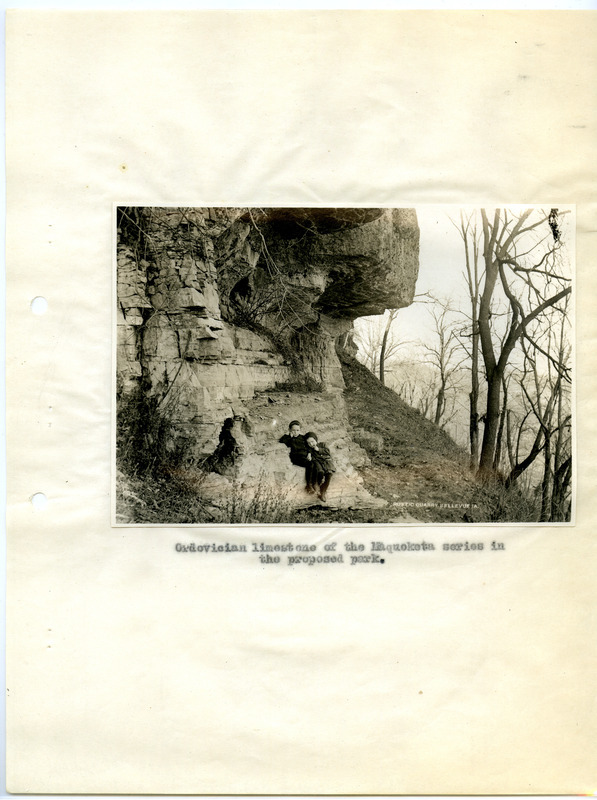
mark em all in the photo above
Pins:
pixel 237 313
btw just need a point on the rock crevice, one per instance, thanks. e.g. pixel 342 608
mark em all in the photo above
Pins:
pixel 236 312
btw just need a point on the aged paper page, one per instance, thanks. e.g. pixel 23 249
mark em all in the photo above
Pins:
pixel 137 667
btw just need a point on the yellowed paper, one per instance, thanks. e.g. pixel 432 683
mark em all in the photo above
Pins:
pixel 134 668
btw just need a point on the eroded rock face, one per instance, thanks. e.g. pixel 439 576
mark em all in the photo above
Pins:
pixel 364 268
pixel 220 307
pixel 263 466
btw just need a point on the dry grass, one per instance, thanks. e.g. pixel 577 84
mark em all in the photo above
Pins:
pixel 420 463
pixel 417 469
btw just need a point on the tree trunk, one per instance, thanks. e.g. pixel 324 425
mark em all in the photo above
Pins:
pixel 441 401
pixel 546 482
pixel 561 481
pixel 498 446
pixel 473 431
pixel 492 418
pixel 382 356
pixel 509 442
pixel 474 396
pixel 472 276
pixel 384 346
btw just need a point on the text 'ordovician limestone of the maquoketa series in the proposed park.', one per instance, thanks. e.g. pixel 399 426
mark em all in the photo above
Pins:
pixel 374 551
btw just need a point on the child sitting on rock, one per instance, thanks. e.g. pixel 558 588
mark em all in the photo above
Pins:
pixel 299 452
pixel 323 464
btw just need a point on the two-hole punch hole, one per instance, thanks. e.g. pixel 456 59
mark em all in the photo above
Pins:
pixel 39 501
pixel 39 305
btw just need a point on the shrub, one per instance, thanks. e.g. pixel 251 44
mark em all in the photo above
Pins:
pixel 157 481
pixel 266 504
pixel 146 440
pixel 504 504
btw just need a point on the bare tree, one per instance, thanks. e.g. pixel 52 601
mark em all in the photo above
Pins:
pixel 383 353
pixel 415 380
pixel 520 254
pixel 379 343
pixel 470 233
pixel 539 440
pixel 446 359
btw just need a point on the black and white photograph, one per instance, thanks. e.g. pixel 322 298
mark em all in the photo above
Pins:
pixel 301 402
pixel 344 365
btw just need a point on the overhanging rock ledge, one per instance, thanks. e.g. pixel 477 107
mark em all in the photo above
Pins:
pixel 239 312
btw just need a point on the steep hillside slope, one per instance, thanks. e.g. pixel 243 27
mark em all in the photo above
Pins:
pixel 412 471
pixel 414 465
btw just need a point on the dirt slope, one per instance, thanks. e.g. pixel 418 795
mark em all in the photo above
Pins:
pixel 415 466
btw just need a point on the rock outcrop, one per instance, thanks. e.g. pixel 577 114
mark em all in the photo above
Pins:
pixel 236 313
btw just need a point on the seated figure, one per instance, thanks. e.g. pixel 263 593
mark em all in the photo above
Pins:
pixel 322 461
pixel 299 452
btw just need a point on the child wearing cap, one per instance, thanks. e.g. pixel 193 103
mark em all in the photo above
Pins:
pixel 323 463
pixel 299 452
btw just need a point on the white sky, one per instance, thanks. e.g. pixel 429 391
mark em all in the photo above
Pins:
pixel 441 265
pixel 441 261
pixel 441 270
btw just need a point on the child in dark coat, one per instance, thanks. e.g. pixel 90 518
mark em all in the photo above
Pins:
pixel 323 462
pixel 299 452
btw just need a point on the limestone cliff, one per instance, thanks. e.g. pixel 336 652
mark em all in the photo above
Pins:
pixel 237 313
